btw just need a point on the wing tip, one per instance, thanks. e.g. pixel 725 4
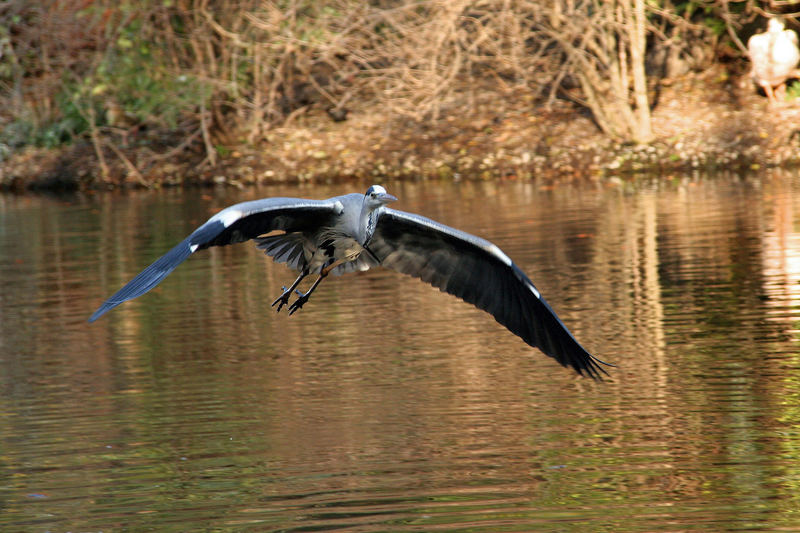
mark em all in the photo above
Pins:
pixel 591 366
pixel 97 314
pixel 107 306
pixel 148 278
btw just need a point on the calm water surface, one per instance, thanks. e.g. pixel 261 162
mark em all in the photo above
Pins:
pixel 385 405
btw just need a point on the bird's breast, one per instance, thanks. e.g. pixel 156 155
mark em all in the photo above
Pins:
pixel 337 246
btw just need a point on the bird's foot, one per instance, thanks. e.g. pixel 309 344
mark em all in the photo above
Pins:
pixel 283 299
pixel 297 304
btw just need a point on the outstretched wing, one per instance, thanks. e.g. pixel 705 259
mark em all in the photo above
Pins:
pixel 237 223
pixel 478 272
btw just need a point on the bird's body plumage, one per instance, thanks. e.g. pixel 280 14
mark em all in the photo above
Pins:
pixel 342 237
pixel 357 232
pixel 774 55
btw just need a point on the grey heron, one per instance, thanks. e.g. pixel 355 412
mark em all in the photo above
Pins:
pixel 357 232
pixel 774 55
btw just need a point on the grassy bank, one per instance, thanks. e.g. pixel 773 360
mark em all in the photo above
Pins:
pixel 105 94
pixel 703 122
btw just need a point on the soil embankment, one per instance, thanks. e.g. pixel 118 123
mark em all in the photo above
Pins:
pixel 703 122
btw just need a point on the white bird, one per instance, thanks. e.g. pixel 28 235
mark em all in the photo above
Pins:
pixel 358 232
pixel 774 55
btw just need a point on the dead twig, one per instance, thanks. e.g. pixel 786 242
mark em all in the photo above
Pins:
pixel 132 170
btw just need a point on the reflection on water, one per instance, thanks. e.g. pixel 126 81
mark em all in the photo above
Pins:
pixel 387 405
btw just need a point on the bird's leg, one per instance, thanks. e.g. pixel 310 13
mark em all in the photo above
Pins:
pixel 771 100
pixel 779 94
pixel 303 298
pixel 283 299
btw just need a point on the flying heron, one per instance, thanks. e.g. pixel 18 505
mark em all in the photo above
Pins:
pixel 358 232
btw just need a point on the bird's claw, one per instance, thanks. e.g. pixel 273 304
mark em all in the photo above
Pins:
pixel 297 304
pixel 283 299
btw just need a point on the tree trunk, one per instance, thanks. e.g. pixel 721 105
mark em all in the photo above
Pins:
pixel 643 132
pixel 604 43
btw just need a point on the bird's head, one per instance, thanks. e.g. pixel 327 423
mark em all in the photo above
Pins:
pixel 376 196
pixel 775 25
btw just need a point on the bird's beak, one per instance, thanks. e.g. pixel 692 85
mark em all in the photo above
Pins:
pixel 387 198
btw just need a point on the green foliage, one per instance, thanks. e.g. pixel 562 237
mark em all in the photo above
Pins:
pixel 70 123
pixel 156 62
pixel 717 26
pixel 139 78
pixel 133 75
pixel 793 90
pixel 706 13
pixel 73 120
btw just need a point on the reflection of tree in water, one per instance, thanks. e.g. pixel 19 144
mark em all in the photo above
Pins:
pixel 388 398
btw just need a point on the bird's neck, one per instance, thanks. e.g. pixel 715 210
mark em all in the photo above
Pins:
pixel 367 221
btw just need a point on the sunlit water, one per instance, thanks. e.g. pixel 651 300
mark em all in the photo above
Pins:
pixel 385 405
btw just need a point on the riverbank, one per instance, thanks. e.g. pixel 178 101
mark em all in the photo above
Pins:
pixel 702 121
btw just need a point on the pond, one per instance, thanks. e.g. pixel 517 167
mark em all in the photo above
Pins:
pixel 386 405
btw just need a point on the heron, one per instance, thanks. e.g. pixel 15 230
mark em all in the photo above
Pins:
pixel 774 55
pixel 356 232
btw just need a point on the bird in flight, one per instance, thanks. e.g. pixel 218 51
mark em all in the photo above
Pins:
pixel 356 232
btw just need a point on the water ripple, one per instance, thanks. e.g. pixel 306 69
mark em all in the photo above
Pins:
pixel 386 405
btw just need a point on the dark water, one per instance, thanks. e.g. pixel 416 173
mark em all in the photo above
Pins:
pixel 385 405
